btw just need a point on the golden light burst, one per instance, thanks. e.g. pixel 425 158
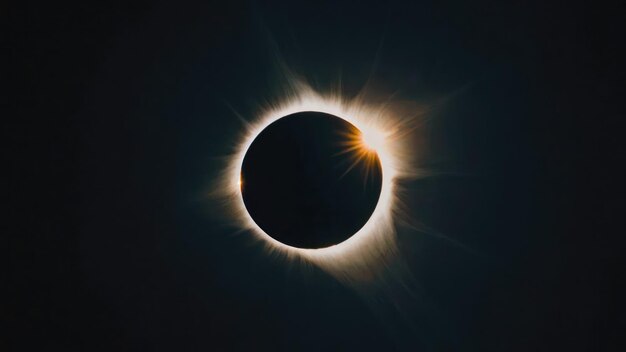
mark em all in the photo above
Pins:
pixel 362 149
pixel 381 131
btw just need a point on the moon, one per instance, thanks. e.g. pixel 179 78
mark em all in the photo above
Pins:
pixel 311 180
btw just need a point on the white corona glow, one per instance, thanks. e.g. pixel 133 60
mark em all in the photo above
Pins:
pixel 382 130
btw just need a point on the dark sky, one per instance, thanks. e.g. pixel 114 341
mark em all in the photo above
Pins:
pixel 120 117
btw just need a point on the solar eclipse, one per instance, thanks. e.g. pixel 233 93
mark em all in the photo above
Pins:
pixel 314 178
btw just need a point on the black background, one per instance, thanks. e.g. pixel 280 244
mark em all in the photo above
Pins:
pixel 119 112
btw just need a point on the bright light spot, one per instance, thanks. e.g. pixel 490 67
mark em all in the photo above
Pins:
pixel 373 140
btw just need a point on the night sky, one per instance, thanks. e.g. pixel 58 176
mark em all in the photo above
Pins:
pixel 121 116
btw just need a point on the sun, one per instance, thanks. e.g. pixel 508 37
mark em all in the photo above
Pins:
pixel 379 136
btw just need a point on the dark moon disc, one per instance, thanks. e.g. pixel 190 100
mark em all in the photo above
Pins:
pixel 304 185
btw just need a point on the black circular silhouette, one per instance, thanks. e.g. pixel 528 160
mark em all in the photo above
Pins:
pixel 307 183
